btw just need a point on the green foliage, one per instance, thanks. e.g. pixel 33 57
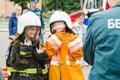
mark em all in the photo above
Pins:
pixel 23 3
pixel 65 5
pixel 46 16
pixel 49 5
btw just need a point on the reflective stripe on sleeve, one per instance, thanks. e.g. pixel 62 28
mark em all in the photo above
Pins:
pixel 28 70
pixel 55 42
pixel 74 45
pixel 31 71
pixel 24 53
pixel 45 71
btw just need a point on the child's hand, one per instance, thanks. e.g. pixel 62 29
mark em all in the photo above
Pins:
pixel 26 42
pixel 40 50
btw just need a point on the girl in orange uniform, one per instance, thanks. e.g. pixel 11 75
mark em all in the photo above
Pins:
pixel 64 49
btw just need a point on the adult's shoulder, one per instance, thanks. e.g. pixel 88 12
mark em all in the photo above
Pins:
pixel 99 17
pixel 103 14
pixel 98 14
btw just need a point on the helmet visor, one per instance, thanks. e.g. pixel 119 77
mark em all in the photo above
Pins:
pixel 58 25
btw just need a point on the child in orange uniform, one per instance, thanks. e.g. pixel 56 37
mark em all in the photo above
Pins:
pixel 64 49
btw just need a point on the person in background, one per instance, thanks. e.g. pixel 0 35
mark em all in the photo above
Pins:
pixel 1 75
pixel 12 28
pixel 2 16
pixel 90 13
pixel 80 29
pixel 64 49
pixel 102 45
pixel 27 57
pixel 34 8
pixel 13 20
pixel 7 46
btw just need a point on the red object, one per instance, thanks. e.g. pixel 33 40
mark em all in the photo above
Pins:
pixel 73 17
pixel 4 71
pixel 107 5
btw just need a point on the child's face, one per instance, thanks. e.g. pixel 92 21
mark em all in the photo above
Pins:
pixel 80 19
pixel 31 31
pixel 59 26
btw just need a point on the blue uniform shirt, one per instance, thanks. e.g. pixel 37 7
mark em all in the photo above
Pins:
pixel 102 45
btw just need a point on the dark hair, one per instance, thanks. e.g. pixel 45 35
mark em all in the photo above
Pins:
pixel 69 30
pixel 22 35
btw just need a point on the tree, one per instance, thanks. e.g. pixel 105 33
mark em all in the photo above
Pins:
pixel 65 5
pixel 49 5
pixel 22 3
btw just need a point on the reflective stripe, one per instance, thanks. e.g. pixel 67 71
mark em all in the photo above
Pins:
pixel 55 42
pixel 28 70
pixel 24 53
pixel 31 71
pixel 74 45
pixel 45 71
pixel 67 60
pixel 57 63
pixel 77 62
pixel 76 41
pixel 10 69
pixel 54 63
pixel 54 37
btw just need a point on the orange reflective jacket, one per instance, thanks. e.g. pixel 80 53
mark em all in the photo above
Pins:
pixel 65 51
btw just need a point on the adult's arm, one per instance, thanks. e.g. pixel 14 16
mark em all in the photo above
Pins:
pixel 88 47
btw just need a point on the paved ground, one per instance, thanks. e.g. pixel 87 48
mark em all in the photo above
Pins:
pixel 4 39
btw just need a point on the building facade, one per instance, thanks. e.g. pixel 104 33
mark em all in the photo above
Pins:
pixel 7 7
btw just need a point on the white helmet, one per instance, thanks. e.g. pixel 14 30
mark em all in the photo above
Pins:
pixel 28 19
pixel 61 16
